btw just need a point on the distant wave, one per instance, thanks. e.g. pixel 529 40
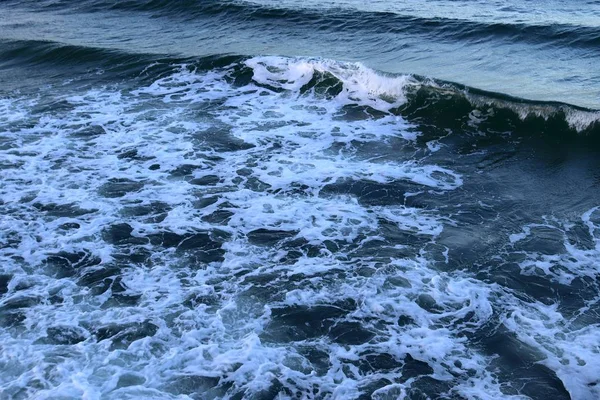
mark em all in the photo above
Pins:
pixel 341 19
pixel 412 96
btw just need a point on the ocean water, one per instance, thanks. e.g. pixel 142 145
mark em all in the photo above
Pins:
pixel 300 200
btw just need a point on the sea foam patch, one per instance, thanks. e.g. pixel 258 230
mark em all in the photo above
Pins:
pixel 182 239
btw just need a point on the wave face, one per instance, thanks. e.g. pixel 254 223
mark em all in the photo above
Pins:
pixel 183 216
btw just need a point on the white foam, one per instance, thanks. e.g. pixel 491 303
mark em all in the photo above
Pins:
pixel 215 319
pixel 581 120
pixel 565 266
pixel 567 339
pixel 572 352
pixel 360 83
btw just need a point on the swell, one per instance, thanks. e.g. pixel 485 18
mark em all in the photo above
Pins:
pixel 444 104
pixel 15 53
pixel 339 19
pixel 67 60
pixel 455 106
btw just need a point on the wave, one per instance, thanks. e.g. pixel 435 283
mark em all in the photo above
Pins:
pixel 445 104
pixel 343 20
pixel 201 227
pixel 463 105
pixel 70 59
pixel 33 52
pixel 414 97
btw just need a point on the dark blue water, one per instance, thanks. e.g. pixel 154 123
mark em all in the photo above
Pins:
pixel 272 200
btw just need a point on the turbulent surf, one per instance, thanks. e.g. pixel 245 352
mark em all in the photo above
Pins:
pixel 191 209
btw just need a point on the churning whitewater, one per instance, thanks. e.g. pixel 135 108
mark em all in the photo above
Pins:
pixel 273 227
pixel 258 199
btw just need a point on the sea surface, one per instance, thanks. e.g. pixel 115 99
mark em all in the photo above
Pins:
pixel 341 199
